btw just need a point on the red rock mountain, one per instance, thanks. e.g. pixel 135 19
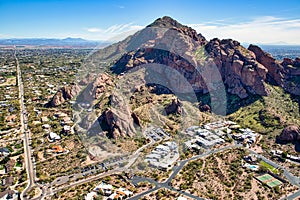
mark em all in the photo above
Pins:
pixel 243 71
pixel 204 64
pixel 182 59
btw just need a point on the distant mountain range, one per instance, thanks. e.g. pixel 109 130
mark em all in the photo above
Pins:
pixel 75 42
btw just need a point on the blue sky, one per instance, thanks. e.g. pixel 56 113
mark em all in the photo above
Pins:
pixel 255 21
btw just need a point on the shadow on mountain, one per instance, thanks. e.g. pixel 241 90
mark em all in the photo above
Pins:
pixel 295 143
pixel 296 99
pixel 297 146
pixel 233 103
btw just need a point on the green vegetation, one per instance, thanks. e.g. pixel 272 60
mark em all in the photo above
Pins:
pixel 263 164
pixel 269 113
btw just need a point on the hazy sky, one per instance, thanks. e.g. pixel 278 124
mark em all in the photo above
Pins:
pixel 255 21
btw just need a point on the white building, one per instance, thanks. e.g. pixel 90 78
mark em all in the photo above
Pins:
pixel 53 137
pixel 91 196
pixel 163 156
pixel 105 189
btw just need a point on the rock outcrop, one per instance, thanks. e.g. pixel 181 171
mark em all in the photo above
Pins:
pixel 174 108
pixel 275 69
pixel 63 94
pixel 99 85
pixel 205 108
pixel 283 73
pixel 290 134
pixel 240 71
pixel 117 119
pixel 95 88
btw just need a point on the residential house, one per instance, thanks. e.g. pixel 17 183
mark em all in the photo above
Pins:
pixel 44 119
pixel 58 149
pixel 8 181
pixel 103 188
pixel 11 118
pixel 9 166
pixel 53 137
pixel 67 129
pixel 4 152
pixel 91 196
pixel 46 126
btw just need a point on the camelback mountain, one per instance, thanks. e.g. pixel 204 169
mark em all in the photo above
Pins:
pixel 206 66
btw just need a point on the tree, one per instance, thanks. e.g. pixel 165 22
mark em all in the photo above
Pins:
pixel 284 155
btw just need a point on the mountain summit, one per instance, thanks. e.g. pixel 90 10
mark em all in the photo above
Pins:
pixel 166 22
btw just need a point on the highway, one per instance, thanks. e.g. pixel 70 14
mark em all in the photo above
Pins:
pixel 26 133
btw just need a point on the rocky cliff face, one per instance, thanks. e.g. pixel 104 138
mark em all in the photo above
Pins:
pixel 285 73
pixel 117 120
pixel 183 51
pixel 240 71
pixel 96 88
pixel 243 71
pixel 275 69
pixel 63 94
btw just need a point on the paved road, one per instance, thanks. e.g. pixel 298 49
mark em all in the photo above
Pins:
pixel 24 129
pixel 294 180
pixel 157 187
pixel 176 170
pixel 294 196
pixel 119 170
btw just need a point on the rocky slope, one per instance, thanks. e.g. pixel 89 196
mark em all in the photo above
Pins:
pixel 117 120
pixel 178 60
pixel 197 60
pixel 64 94
pixel 205 65
pixel 243 71
pixel 283 73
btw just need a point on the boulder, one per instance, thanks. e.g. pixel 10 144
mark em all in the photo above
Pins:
pixel 117 119
pixel 290 134
pixel 174 108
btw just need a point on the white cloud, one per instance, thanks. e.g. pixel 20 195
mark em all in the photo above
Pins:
pixel 94 30
pixel 113 33
pixel 267 29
